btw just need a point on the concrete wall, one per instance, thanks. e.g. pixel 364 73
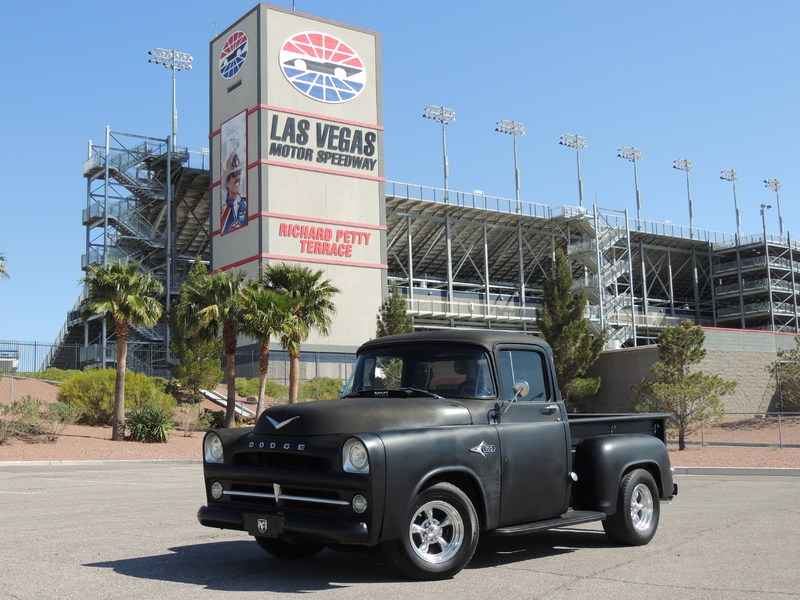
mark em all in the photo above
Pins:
pixel 741 356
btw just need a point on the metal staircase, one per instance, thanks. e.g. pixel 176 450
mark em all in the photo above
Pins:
pixel 604 255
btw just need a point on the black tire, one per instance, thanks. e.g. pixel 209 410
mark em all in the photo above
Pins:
pixel 638 509
pixel 440 534
pixel 289 550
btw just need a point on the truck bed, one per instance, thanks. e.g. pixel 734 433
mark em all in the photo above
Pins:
pixel 583 425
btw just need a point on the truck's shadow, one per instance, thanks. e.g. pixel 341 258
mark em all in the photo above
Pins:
pixel 243 566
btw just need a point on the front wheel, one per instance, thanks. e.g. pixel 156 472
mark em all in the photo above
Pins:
pixel 638 509
pixel 440 535
pixel 290 550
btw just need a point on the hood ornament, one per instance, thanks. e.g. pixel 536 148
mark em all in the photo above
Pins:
pixel 279 424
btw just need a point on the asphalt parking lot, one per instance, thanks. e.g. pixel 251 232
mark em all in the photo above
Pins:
pixel 128 530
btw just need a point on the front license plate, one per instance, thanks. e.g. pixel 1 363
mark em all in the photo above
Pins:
pixel 264 525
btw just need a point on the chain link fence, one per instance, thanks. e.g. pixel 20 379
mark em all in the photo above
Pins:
pixel 29 357
pixel 766 430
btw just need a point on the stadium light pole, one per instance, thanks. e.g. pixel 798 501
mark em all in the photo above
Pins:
pixel 514 129
pixel 733 176
pixel 445 116
pixel 571 140
pixel 633 155
pixel 764 208
pixel 775 186
pixel 683 164
pixel 175 61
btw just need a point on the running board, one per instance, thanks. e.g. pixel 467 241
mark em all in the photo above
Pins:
pixel 573 517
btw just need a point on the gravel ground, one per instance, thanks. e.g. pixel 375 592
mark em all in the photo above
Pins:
pixel 80 442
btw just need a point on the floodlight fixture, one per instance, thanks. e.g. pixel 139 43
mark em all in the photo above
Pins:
pixel 683 164
pixel 445 116
pixel 775 186
pixel 733 177
pixel 571 140
pixel 514 129
pixel 174 60
pixel 634 155
pixel 440 114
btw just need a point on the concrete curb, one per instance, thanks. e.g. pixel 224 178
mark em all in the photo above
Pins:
pixel 738 471
pixel 80 463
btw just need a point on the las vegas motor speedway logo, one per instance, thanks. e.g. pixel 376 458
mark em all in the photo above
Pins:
pixel 233 55
pixel 322 67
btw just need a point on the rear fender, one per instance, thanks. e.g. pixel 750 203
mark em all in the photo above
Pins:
pixel 601 462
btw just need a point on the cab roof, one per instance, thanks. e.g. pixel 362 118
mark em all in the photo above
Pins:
pixel 480 337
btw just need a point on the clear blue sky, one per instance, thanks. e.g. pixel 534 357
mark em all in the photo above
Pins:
pixel 712 81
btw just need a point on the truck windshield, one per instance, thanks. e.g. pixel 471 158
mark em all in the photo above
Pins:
pixel 429 369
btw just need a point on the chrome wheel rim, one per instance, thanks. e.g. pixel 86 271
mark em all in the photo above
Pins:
pixel 436 532
pixel 642 507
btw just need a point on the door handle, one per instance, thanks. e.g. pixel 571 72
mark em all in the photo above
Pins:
pixel 549 409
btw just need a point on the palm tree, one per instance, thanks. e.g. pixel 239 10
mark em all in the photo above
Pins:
pixel 266 313
pixel 211 304
pixel 128 296
pixel 314 310
pixel 3 271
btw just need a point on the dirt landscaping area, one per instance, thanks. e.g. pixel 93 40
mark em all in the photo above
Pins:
pixel 81 442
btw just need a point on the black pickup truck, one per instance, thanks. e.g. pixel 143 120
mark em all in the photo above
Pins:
pixel 438 437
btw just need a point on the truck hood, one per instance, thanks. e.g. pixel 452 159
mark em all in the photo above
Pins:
pixel 361 415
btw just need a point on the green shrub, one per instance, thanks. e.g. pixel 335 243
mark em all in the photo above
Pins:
pixel 246 387
pixel 51 374
pixel 320 388
pixel 93 393
pixel 151 424
pixel 272 389
pixel 212 419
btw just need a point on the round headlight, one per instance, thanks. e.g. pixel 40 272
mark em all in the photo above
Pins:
pixel 355 458
pixel 213 448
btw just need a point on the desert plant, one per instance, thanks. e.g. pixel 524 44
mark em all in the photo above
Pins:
pixel 212 419
pixel 191 417
pixel 320 388
pixel 56 417
pixel 151 424
pixel 272 389
pixel 16 419
pixel 30 417
pixel 93 393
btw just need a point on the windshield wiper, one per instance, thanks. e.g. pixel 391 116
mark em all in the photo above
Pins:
pixel 419 392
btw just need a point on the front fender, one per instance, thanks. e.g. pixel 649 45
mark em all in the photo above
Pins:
pixel 601 462
pixel 416 458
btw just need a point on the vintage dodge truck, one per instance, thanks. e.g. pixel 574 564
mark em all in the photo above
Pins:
pixel 438 437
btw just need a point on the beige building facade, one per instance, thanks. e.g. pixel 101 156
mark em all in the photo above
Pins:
pixel 296 135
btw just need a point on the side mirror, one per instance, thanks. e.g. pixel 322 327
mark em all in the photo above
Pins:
pixel 521 388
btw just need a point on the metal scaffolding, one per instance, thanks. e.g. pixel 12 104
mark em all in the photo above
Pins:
pixel 461 259
pixel 132 214
pixel 476 261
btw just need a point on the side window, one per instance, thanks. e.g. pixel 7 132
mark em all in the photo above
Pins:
pixel 523 365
